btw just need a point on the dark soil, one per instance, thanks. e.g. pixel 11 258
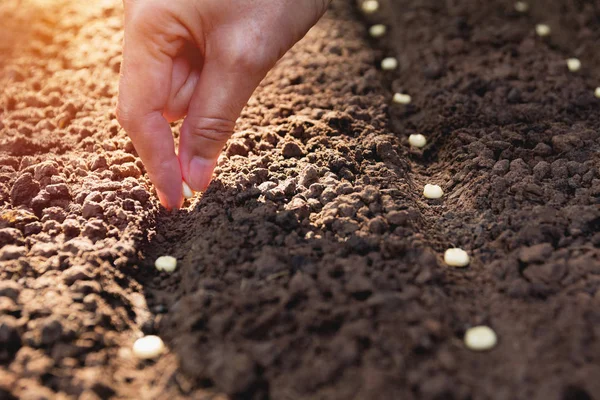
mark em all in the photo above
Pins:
pixel 312 267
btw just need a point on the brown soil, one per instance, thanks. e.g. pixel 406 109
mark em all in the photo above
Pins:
pixel 312 267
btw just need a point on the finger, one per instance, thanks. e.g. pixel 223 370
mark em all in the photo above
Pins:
pixel 185 75
pixel 143 93
pixel 220 95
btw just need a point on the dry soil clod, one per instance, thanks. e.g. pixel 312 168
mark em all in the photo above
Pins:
pixel 401 98
pixel 456 258
pixel 417 140
pixel 480 338
pixel 148 347
pixel 542 30
pixel 370 6
pixel 377 30
pixel 166 263
pixel 432 191
pixel 389 64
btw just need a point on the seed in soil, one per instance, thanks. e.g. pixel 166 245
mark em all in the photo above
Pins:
pixel 401 98
pixel 417 140
pixel 480 338
pixel 188 193
pixel 573 64
pixel 148 347
pixel 166 263
pixel 389 64
pixel 542 30
pixel 597 92
pixel 370 6
pixel 377 31
pixel 456 258
pixel 432 191
pixel 521 6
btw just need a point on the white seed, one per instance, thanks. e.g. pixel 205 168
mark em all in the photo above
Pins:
pixel 480 338
pixel 370 6
pixel 188 193
pixel 389 63
pixel 401 98
pixel 417 140
pixel 150 346
pixel 521 6
pixel 542 30
pixel 432 191
pixel 378 30
pixel 166 263
pixel 456 258
pixel 597 92
pixel 573 64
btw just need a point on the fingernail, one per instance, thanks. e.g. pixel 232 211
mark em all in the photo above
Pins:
pixel 188 193
pixel 200 173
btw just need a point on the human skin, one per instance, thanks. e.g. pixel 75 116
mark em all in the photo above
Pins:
pixel 200 60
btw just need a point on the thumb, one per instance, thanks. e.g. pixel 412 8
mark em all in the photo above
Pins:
pixel 218 100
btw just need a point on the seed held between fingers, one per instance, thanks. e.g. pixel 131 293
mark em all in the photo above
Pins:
pixel 401 98
pixel 148 347
pixel 456 258
pixel 166 263
pixel 480 338
pixel 432 191
pixel 389 64
pixel 377 31
pixel 417 140
pixel 573 64
pixel 542 30
pixel 188 193
pixel 370 6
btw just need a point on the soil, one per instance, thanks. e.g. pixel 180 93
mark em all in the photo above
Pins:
pixel 312 267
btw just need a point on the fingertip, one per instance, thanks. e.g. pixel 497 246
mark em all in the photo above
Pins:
pixel 200 173
pixel 170 202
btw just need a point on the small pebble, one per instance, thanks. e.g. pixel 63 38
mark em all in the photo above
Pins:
pixel 432 191
pixel 542 30
pixel 370 6
pixel 417 140
pixel 480 338
pixel 166 263
pixel 597 92
pixel 456 258
pixel 188 193
pixel 377 31
pixel 573 64
pixel 521 6
pixel 389 64
pixel 148 347
pixel 401 98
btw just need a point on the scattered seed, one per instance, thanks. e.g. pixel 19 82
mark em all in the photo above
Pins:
pixel 166 263
pixel 597 92
pixel 573 64
pixel 378 30
pixel 417 140
pixel 542 30
pixel 148 347
pixel 432 191
pixel 521 6
pixel 401 98
pixel 370 6
pixel 456 258
pixel 188 193
pixel 389 63
pixel 480 338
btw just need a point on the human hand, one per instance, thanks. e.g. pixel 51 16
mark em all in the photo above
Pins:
pixel 198 59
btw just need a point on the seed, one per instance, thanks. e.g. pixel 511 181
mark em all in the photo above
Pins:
pixel 166 263
pixel 542 30
pixel 188 193
pixel 456 258
pixel 480 338
pixel 432 191
pixel 148 347
pixel 401 98
pixel 521 6
pixel 597 92
pixel 377 30
pixel 370 6
pixel 389 63
pixel 573 64
pixel 417 140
